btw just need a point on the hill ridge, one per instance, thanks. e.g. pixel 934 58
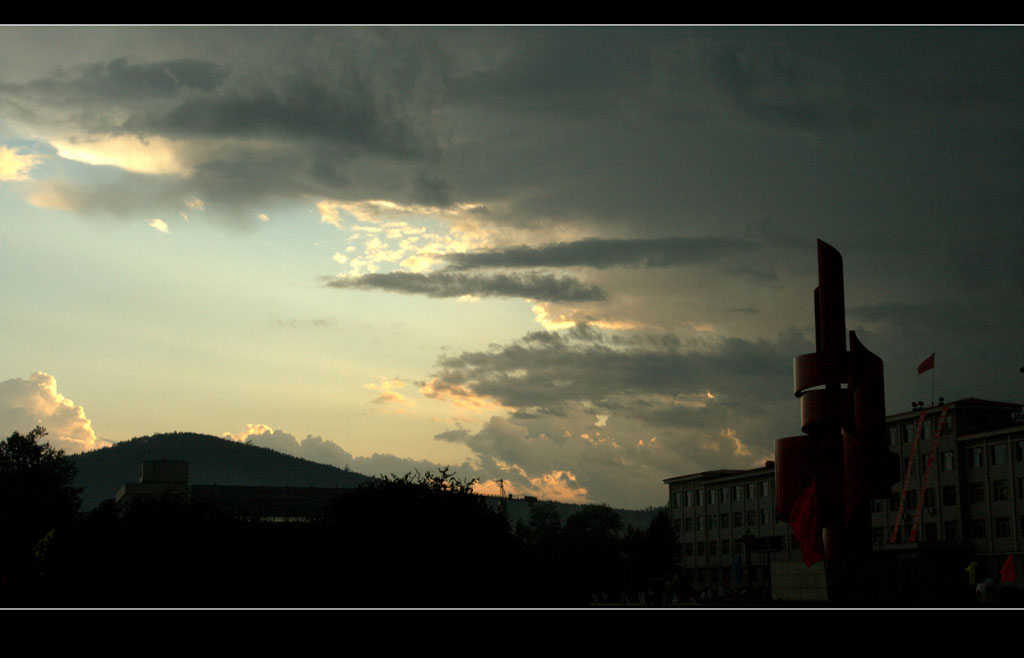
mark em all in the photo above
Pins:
pixel 212 460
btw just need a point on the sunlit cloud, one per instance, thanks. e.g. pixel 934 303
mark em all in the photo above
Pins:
pixel 329 212
pixel 251 429
pixel 15 166
pixel 729 442
pixel 152 155
pixel 263 217
pixel 26 403
pixel 457 395
pixel 543 318
pixel 195 202
pixel 387 392
pixel 560 486
pixel 54 196
pixel 159 225
pixel 567 318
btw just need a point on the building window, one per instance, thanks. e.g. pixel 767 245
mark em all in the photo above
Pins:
pixel 700 549
pixel 947 460
pixel 908 433
pixel 711 496
pixel 737 492
pixel 929 497
pixel 950 531
pixel 977 492
pixel 712 548
pixel 689 524
pixel 924 463
pixel 878 505
pixel 750 491
pixel 766 489
pixel 949 495
pixel 977 528
pixel 998 454
pixel 688 499
pixel 700 524
pixel 911 500
pixel 931 534
pixel 711 521
pixel 751 517
pixel 677 499
pixel 725 547
pixel 877 535
pixel 764 517
pixel 1020 487
pixel 724 521
pixel 688 549
pixel 894 435
pixel 1000 490
pixel 926 429
pixel 976 456
pixel 908 466
pixel 737 519
pixel 1003 527
pixel 1018 451
pixel 724 494
pixel 696 496
pixel 677 527
pixel 894 502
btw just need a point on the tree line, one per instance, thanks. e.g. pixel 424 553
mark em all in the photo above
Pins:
pixel 417 540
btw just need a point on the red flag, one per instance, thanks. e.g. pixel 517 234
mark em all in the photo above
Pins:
pixel 927 364
pixel 1007 574
pixel 803 518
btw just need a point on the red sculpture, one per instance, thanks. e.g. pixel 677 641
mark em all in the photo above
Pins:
pixel 826 479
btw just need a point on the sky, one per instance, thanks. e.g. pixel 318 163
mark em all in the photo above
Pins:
pixel 576 259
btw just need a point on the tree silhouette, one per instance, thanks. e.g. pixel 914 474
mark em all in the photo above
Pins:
pixel 37 496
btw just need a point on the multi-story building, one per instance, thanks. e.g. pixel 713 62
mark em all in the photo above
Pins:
pixel 960 498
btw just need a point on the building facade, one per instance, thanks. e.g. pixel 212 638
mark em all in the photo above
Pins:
pixel 960 499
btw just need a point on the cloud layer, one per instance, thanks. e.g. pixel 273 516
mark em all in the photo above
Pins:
pixel 544 287
pixel 26 403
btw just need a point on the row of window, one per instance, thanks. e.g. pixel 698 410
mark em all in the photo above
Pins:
pixel 713 496
pixel 722 520
pixel 997 456
pixel 712 548
pixel 907 430
pixel 951 531
pixel 976 494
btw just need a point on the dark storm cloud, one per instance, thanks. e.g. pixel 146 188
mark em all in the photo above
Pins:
pixel 120 79
pixel 541 287
pixel 599 253
pixel 344 114
pixel 547 370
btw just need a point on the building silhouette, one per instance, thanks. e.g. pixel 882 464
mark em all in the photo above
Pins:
pixel 960 500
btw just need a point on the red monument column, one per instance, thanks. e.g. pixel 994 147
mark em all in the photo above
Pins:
pixel 826 478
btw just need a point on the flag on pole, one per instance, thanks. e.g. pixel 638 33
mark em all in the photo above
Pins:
pixel 927 364
pixel 1007 574
pixel 803 518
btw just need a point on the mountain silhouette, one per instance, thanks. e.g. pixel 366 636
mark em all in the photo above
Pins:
pixel 212 460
